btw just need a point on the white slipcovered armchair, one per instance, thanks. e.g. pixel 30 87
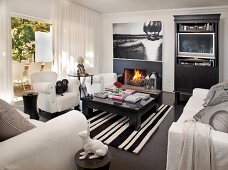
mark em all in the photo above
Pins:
pixel 44 83
pixel 100 82
pixel 49 146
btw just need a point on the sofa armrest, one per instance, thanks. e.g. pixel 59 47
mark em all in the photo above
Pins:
pixel 44 87
pixel 47 147
pixel 200 92
pixel 109 79
pixel 96 79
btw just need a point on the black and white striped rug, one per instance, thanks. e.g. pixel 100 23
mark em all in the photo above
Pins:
pixel 114 129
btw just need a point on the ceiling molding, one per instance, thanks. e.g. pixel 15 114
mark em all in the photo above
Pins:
pixel 201 10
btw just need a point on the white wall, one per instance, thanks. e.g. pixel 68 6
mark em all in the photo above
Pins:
pixel 166 16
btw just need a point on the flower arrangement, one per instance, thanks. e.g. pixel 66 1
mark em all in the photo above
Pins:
pixel 118 85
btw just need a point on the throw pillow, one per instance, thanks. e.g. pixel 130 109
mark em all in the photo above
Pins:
pixel 61 86
pixel 219 121
pixel 213 89
pixel 12 123
pixel 216 116
pixel 219 96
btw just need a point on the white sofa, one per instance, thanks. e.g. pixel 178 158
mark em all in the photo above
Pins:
pixel 100 82
pixel 176 137
pixel 49 146
pixel 44 83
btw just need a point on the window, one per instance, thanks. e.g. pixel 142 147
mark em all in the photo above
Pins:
pixel 31 40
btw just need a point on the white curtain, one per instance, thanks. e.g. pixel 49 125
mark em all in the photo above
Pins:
pixel 76 32
pixel 6 86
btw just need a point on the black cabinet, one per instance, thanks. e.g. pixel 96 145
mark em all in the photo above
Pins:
pixel 196 52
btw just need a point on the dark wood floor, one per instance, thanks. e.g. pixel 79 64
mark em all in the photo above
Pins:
pixel 153 155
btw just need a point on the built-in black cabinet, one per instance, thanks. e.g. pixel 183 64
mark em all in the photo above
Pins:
pixel 196 52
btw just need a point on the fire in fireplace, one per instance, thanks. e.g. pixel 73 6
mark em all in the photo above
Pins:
pixel 134 77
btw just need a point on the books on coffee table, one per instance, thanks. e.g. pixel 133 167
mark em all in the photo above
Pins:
pixel 132 99
pixel 144 96
pixel 101 95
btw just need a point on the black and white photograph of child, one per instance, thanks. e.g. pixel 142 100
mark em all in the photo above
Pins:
pixel 139 41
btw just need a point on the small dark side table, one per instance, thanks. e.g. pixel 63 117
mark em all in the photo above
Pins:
pixel 30 104
pixel 101 163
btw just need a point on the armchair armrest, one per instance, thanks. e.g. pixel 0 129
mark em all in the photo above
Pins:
pixel 44 87
pixel 73 85
pixel 47 147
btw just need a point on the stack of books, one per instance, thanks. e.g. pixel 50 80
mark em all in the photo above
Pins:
pixel 127 92
pixel 101 95
pixel 115 97
pixel 137 97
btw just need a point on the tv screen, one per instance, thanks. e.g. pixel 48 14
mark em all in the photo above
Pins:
pixel 196 44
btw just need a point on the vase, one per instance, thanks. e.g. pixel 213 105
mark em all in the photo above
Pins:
pixel 117 90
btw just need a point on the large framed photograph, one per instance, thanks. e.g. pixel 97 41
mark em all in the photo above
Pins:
pixel 138 41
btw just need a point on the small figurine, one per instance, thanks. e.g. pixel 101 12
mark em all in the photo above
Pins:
pixel 91 145
pixel 81 69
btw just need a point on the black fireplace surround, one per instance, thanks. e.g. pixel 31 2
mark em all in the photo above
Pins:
pixel 150 66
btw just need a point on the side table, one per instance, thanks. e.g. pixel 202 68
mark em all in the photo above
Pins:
pixel 101 163
pixel 30 104
pixel 83 81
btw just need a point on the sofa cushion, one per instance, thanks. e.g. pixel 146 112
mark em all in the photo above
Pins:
pixel 219 96
pixel 12 123
pixel 213 89
pixel 216 116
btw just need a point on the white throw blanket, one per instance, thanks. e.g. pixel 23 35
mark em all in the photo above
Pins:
pixel 197 149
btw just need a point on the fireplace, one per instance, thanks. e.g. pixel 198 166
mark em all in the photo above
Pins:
pixel 134 77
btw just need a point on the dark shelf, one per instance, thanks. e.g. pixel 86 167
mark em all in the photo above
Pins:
pixel 190 72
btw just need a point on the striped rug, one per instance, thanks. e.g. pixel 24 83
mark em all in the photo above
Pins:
pixel 114 129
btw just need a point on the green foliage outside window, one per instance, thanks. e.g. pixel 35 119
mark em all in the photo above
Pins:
pixel 23 37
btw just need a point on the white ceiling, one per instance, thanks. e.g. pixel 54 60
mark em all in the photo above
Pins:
pixel 115 6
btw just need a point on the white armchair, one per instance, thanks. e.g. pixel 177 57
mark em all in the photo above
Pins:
pixel 100 82
pixel 44 83
pixel 49 146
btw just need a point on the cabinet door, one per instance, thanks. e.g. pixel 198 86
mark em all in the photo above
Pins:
pixel 184 78
pixel 206 76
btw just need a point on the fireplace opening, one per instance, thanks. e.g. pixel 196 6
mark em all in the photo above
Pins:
pixel 134 77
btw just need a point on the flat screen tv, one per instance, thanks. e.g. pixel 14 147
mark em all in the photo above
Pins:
pixel 197 45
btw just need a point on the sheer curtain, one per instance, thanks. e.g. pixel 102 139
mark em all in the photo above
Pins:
pixel 75 33
pixel 6 86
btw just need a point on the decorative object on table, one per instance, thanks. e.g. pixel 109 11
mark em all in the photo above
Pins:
pixel 101 163
pixel 81 70
pixel 118 86
pixel 91 145
pixel 153 81
pixel 61 86
pixel 147 82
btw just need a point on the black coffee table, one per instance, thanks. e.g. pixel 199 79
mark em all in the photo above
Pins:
pixel 133 111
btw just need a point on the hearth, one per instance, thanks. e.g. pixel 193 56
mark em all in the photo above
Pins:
pixel 134 77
